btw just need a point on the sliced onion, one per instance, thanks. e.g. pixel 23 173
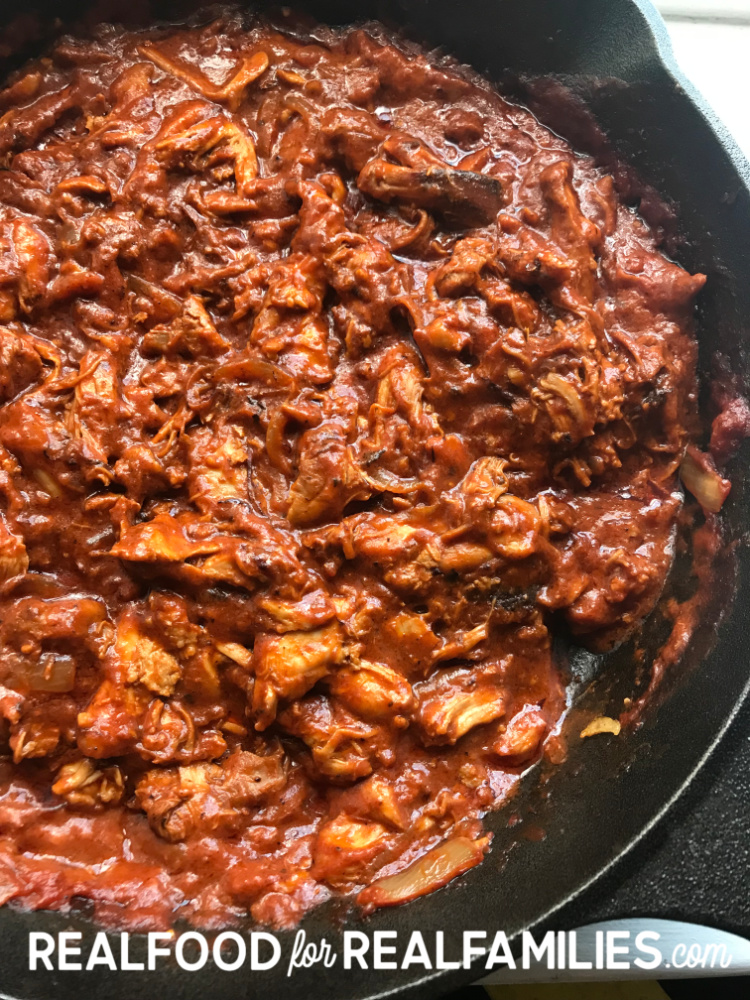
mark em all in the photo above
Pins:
pixel 433 870
pixel 700 477
pixel 390 483
pixel 47 482
pixel 233 651
pixel 171 303
pixel 251 369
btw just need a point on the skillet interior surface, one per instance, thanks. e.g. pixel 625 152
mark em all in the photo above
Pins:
pixel 596 806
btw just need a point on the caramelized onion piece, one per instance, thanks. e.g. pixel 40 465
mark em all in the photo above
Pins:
pixel 53 672
pixel 432 871
pixel 249 369
pixel 172 304
pixel 229 92
pixel 601 725
pixel 699 475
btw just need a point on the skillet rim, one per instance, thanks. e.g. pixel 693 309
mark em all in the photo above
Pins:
pixel 662 50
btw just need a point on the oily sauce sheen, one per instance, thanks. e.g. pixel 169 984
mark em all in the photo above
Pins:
pixel 332 387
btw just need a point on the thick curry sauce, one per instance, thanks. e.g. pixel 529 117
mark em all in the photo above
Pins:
pixel 332 387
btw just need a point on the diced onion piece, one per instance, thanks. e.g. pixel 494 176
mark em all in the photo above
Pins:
pixel 433 870
pixel 53 672
pixel 602 725
pixel 700 476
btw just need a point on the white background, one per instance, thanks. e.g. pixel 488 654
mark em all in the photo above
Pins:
pixel 711 40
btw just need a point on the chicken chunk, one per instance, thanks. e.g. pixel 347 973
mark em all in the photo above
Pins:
pixel 193 133
pixel 461 273
pixel 344 748
pixel 328 479
pixel 312 611
pixel 455 700
pixel 92 417
pixel 169 735
pixel 611 569
pixel 209 799
pixel 21 363
pixel 577 235
pixel 83 784
pixel 144 661
pixel 401 389
pixel 290 324
pixel 14 560
pixel 485 482
pixel 346 849
pixel 218 467
pixel 287 666
pixel 362 271
pixel 165 542
pixel 163 539
pixel 516 528
pixel 34 737
pixel 22 126
pixel 192 334
pixel 522 736
pixel 372 690
pixel 110 725
pixel 33 256
pixel 193 137
pixel 352 133
pixel 379 798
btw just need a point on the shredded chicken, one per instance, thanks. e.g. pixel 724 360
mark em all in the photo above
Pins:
pixel 208 798
pixel 336 395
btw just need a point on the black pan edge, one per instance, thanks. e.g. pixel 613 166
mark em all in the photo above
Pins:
pixel 609 797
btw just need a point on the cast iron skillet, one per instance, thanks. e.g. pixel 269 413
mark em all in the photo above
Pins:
pixel 615 55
